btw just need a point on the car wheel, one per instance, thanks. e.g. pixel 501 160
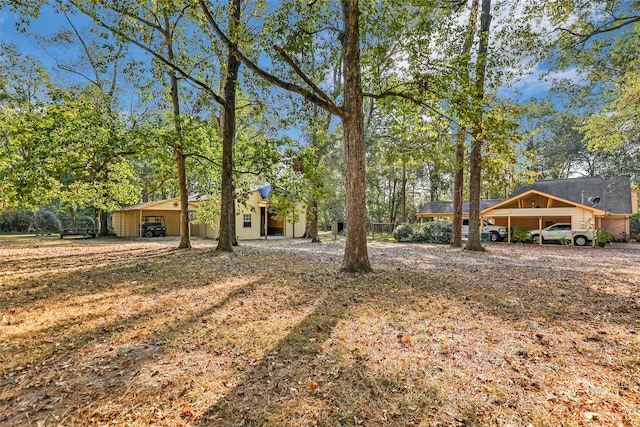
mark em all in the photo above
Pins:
pixel 535 239
pixel 495 237
pixel 164 234
pixel 580 241
pixel 149 234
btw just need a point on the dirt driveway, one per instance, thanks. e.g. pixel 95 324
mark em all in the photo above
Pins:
pixel 133 332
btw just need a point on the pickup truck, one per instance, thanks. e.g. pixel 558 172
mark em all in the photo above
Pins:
pixel 496 233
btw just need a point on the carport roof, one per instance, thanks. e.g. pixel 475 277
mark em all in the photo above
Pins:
pixel 608 194
pixel 595 210
pixel 167 204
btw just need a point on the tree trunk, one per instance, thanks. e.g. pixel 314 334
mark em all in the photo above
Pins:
pixel 404 193
pixel 311 231
pixel 458 185
pixel 104 222
pixel 393 198
pixel 356 258
pixel 477 138
pixel 185 238
pixel 227 236
pixel 456 237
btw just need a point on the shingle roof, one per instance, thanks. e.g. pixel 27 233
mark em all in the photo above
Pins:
pixel 614 193
pixel 447 207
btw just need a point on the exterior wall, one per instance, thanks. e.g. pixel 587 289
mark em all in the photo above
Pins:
pixel 205 231
pixel 248 233
pixel 619 226
pixel 297 229
pixel 251 208
pixel 125 223
pixel 634 202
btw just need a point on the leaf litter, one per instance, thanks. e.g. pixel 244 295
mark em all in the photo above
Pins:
pixel 132 332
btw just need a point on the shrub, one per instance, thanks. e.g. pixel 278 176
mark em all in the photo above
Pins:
pixel 520 234
pixel 15 220
pixel 438 231
pixel 635 226
pixel 403 233
pixel 45 221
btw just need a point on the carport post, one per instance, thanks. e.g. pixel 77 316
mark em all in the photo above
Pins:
pixel 540 230
pixel 509 229
pixel 139 225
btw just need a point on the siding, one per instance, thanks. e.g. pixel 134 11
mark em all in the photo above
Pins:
pixel 616 225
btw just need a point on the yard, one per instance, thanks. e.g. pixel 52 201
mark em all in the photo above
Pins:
pixel 132 332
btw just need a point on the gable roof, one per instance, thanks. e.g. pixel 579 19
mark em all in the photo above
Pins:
pixel 607 194
pixel 444 208
pixel 595 210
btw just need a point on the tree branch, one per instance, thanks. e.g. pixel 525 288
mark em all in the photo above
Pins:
pixel 416 101
pixel 150 51
pixel 307 94
pixel 606 27
pixel 300 73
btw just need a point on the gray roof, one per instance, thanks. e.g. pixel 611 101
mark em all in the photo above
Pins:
pixel 447 207
pixel 614 193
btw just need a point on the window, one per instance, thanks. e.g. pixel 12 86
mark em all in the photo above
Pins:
pixel 246 220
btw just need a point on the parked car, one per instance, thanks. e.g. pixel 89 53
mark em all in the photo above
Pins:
pixel 496 233
pixel 561 232
pixel 153 226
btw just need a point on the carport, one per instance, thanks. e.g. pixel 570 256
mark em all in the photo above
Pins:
pixel 535 209
pixel 126 222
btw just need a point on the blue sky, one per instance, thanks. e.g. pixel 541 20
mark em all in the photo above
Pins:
pixel 531 85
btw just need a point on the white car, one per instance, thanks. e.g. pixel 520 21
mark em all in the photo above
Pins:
pixel 561 232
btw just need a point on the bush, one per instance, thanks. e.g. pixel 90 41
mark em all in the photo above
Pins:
pixel 520 234
pixel 438 231
pixel 403 233
pixel 45 221
pixel 15 220
pixel 635 226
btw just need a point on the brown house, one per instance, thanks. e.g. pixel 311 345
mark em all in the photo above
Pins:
pixel 586 203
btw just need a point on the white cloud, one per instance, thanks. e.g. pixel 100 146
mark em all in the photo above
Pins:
pixel 537 82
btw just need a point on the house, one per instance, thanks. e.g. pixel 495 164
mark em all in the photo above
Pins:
pixel 253 218
pixel 586 203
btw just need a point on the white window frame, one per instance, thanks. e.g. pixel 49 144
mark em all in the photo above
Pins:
pixel 247 218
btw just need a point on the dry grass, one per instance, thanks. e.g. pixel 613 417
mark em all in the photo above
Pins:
pixel 115 332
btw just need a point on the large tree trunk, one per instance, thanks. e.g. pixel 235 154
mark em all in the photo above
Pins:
pixel 477 138
pixel 227 236
pixel 461 137
pixel 356 258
